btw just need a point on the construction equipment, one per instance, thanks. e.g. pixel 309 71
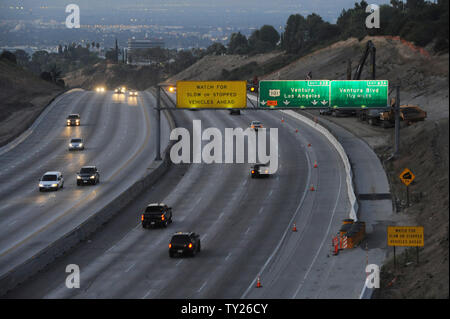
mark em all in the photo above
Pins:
pixel 370 49
pixel 408 114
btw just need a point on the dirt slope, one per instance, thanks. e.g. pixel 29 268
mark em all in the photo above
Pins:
pixel 210 67
pixel 23 96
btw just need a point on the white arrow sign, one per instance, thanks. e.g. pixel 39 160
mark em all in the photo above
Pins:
pixel 286 102
pixel 263 102
pixel 324 102
pixel 314 102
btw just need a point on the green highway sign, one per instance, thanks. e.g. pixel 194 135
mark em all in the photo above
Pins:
pixel 303 94
pixel 359 94
pixel 323 93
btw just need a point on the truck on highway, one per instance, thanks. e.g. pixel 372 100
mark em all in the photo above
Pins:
pixel 156 214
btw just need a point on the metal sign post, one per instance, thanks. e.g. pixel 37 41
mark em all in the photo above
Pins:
pixel 158 123
pixel 397 122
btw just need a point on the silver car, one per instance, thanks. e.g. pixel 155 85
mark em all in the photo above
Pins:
pixel 51 181
pixel 76 144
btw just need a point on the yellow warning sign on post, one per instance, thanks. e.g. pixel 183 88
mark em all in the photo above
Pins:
pixel 409 236
pixel 211 94
pixel 407 176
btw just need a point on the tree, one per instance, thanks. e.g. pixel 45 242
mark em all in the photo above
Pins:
pixel 294 33
pixel 238 44
pixel 268 34
pixel 6 55
pixel 22 57
pixel 216 48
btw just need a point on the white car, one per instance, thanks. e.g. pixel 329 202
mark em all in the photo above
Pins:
pixel 76 144
pixel 51 181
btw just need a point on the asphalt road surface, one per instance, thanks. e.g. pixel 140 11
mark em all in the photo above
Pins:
pixel 245 225
pixel 117 133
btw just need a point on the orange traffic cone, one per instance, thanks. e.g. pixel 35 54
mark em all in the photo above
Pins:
pixel 258 283
pixel 309 145
pixel 312 188
pixel 294 228
pixel 315 164
pixel 282 120
pixel 296 130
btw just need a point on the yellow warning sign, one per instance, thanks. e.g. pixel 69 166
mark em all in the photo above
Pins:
pixel 407 176
pixel 211 94
pixel 410 236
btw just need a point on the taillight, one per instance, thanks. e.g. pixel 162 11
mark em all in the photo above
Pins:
pixel 253 172
pixel 142 217
pixel 162 217
pixel 190 245
pixel 170 245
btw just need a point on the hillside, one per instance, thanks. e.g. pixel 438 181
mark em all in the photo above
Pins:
pixel 111 76
pixel 23 96
pixel 424 81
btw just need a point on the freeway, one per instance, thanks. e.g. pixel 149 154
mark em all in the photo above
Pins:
pixel 245 226
pixel 118 138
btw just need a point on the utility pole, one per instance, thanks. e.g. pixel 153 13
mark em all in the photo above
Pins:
pixel 397 122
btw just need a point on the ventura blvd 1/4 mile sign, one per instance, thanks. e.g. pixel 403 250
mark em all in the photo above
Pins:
pixel 323 93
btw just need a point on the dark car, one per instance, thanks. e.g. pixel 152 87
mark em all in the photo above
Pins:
pixel 183 243
pixel 235 112
pixel 156 214
pixel 88 175
pixel 73 120
pixel 326 111
pixel 260 170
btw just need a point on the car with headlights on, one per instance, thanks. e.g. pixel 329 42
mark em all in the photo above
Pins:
pixel 88 175
pixel 76 144
pixel 53 180
pixel 184 243
pixel 73 120
pixel 132 93
pixel 120 90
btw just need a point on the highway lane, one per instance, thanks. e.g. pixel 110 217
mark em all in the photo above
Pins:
pixel 116 129
pixel 241 221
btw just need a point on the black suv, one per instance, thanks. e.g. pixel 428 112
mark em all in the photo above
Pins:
pixel 73 119
pixel 260 170
pixel 156 214
pixel 184 244
pixel 88 175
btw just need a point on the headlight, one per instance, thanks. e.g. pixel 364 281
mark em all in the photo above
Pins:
pixel 70 145
pixel 92 177
pixel 54 185
pixel 41 185
pixel 78 177
pixel 80 145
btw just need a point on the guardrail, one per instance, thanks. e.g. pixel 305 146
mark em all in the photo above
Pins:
pixel 47 255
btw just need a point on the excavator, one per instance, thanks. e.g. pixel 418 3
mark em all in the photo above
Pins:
pixel 385 117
